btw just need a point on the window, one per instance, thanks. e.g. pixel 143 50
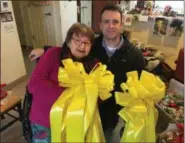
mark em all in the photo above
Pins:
pixel 177 6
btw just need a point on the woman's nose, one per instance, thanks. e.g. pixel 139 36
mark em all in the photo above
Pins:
pixel 82 45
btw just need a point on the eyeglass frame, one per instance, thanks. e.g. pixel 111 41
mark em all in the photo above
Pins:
pixel 79 42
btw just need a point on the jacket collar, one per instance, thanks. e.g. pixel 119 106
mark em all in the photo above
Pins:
pixel 125 46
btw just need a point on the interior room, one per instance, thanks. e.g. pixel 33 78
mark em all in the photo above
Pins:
pixel 156 28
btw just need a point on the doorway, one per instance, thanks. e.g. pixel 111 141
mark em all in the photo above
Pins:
pixel 37 25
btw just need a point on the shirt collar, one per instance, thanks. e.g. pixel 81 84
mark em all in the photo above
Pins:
pixel 119 46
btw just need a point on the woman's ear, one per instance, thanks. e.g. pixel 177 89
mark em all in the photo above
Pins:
pixel 68 43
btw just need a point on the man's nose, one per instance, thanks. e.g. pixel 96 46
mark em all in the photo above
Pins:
pixel 111 25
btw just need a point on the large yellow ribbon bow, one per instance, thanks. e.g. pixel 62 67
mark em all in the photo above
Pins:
pixel 139 111
pixel 74 117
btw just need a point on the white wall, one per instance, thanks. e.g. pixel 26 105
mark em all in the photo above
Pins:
pixel 132 4
pixel 12 64
pixel 128 4
pixel 68 11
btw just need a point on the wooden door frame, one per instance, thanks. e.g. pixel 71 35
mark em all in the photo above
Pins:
pixel 79 8
pixel 29 18
pixel 27 29
pixel 79 14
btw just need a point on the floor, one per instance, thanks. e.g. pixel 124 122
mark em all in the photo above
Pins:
pixel 14 133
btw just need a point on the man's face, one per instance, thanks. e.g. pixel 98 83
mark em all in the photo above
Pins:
pixel 79 46
pixel 111 24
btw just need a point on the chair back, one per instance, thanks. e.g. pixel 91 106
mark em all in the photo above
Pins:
pixel 27 132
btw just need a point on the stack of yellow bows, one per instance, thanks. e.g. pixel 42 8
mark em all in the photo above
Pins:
pixel 139 111
pixel 74 117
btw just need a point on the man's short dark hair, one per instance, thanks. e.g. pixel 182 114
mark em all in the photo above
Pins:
pixel 111 7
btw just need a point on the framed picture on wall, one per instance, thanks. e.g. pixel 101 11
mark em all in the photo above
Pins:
pixel 6 17
pixel 160 26
pixel 127 19
pixel 175 27
pixel 4 6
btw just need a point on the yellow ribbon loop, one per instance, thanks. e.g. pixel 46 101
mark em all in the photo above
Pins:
pixel 138 98
pixel 74 117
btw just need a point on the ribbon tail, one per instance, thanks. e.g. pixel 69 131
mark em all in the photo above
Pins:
pixel 97 130
pixel 135 118
pixel 151 122
pixel 91 110
pixel 134 131
pixel 57 116
pixel 75 117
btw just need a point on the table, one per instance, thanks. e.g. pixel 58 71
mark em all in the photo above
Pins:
pixel 13 103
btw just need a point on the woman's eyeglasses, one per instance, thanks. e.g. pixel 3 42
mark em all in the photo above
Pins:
pixel 79 42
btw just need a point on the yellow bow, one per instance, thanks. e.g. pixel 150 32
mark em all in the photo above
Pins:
pixel 139 113
pixel 74 117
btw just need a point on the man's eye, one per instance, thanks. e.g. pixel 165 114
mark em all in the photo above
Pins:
pixel 106 21
pixel 115 22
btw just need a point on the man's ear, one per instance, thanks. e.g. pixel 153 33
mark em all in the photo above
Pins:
pixel 122 23
pixel 122 20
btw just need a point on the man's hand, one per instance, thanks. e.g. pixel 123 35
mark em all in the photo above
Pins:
pixel 35 53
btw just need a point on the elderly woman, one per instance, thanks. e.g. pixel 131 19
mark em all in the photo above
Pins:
pixel 43 84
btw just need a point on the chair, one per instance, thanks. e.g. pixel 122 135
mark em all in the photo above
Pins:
pixel 12 102
pixel 27 132
pixel 179 72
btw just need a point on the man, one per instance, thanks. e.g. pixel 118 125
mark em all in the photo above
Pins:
pixel 115 51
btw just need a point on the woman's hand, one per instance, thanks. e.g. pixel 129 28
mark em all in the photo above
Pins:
pixel 35 53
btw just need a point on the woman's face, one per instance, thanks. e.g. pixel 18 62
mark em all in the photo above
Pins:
pixel 79 46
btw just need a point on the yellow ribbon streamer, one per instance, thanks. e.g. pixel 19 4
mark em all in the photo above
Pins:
pixel 139 113
pixel 74 117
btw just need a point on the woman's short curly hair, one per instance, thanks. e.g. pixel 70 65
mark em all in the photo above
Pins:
pixel 80 29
